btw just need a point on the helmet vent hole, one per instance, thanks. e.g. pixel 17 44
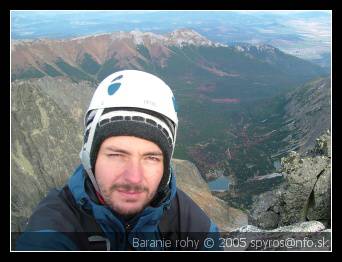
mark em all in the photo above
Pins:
pixel 104 121
pixel 151 122
pixel 138 118
pixel 116 118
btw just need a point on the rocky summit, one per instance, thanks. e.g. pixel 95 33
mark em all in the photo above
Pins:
pixel 305 195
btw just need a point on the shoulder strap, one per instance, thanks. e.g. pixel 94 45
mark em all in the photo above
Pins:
pixel 169 223
pixel 92 237
pixel 184 219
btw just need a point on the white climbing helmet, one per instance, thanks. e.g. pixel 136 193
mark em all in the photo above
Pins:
pixel 133 88
pixel 133 95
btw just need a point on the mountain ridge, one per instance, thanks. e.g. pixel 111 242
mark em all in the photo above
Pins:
pixel 90 57
pixel 99 46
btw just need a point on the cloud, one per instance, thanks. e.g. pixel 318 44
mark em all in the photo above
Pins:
pixel 312 29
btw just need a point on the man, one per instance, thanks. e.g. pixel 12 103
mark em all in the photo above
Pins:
pixel 123 196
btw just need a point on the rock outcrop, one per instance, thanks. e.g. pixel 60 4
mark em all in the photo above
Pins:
pixel 308 236
pixel 46 137
pixel 309 226
pixel 305 194
pixel 45 143
pixel 308 105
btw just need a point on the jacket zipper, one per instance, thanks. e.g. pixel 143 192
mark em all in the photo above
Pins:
pixel 128 228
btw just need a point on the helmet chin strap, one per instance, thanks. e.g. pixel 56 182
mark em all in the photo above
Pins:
pixel 85 152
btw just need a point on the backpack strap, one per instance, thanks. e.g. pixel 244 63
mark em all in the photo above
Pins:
pixel 184 219
pixel 169 223
pixel 92 236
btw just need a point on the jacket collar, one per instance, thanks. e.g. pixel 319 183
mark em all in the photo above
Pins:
pixel 146 221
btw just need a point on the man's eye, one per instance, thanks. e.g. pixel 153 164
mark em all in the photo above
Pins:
pixel 114 155
pixel 153 158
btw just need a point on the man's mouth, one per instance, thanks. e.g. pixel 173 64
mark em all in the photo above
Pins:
pixel 129 190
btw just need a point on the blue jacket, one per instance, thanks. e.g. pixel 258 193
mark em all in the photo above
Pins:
pixel 76 221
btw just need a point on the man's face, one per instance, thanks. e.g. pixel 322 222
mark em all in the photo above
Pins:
pixel 128 171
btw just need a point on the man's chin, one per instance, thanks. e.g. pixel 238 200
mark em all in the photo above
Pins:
pixel 128 205
pixel 124 206
pixel 127 208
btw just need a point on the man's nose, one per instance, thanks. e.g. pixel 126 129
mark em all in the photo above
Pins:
pixel 134 172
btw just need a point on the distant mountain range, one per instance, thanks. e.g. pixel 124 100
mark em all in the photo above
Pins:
pixel 180 56
pixel 241 107
pixel 305 34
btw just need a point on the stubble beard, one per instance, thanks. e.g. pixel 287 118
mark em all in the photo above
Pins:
pixel 123 207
